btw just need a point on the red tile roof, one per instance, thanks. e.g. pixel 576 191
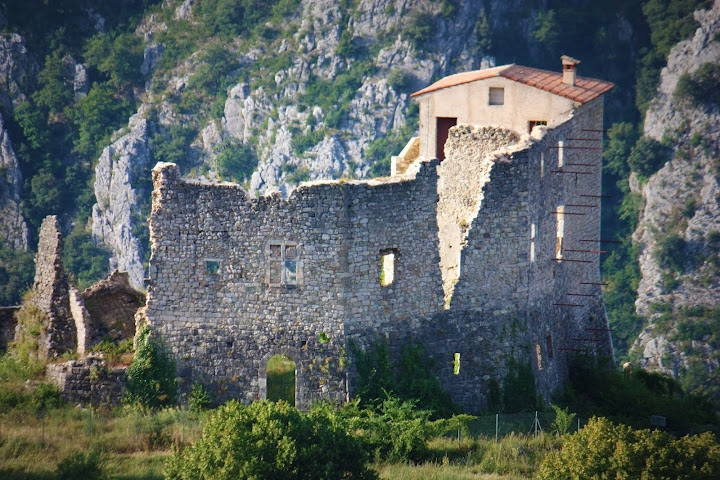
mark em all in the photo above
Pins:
pixel 585 89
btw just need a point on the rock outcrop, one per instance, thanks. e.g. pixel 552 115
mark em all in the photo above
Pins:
pixel 681 200
pixel 119 176
pixel 13 229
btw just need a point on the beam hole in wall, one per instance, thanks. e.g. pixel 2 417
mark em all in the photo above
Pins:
pixel 281 379
pixel 549 345
pixel 496 96
pixel 387 267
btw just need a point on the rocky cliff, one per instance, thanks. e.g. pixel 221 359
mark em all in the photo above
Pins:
pixel 679 231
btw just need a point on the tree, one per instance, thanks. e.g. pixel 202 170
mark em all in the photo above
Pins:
pixel 603 450
pixel 267 440
pixel 648 156
pixel 151 376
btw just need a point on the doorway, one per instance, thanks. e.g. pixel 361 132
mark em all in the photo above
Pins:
pixel 443 126
pixel 281 379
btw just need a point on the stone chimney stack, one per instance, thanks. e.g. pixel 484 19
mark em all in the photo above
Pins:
pixel 569 67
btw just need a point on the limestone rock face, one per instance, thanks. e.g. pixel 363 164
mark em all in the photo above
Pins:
pixel 681 199
pixel 13 229
pixel 119 177
pixel 16 70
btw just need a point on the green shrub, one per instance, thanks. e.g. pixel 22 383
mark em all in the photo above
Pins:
pixel 151 378
pixel 85 465
pixel 199 398
pixel 604 450
pixel 670 252
pixel 419 28
pixel 702 87
pixel 648 156
pixel 236 162
pixel 266 440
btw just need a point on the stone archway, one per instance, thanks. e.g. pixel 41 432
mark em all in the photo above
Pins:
pixel 291 384
pixel 280 377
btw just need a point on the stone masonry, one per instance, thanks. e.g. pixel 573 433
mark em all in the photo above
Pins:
pixel 490 257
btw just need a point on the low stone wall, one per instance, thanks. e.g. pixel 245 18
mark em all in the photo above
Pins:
pixel 88 381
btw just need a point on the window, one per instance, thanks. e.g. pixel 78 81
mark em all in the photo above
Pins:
pixel 456 364
pixel 284 266
pixel 387 267
pixel 534 123
pixel 533 233
pixel 497 96
pixel 212 266
pixel 560 231
pixel 561 157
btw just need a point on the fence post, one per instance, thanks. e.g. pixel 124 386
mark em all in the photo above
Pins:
pixel 497 419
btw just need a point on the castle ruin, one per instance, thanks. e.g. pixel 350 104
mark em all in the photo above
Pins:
pixel 483 246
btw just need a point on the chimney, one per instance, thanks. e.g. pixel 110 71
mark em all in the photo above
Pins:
pixel 569 65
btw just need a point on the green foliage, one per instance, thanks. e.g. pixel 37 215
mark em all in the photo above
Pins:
pixel 519 392
pixel 16 274
pixel 85 261
pixel 56 85
pixel 237 161
pixel 670 252
pixel 297 174
pixel 483 31
pixel 671 21
pixel 702 87
pixel 621 139
pixel 604 450
pixel 419 28
pixel 399 80
pixel 97 116
pixel 85 465
pixel 20 387
pixel 410 379
pixel 267 440
pixel 632 397
pixel 151 378
pixel 119 59
pixel 547 30
pixel 173 144
pixel 563 420
pixel 199 399
pixel 648 156
pixel 112 351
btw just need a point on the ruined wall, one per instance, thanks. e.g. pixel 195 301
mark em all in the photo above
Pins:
pixel 224 299
pixel 514 299
pixel 51 294
pixel 88 381
pixel 462 175
pixel 8 323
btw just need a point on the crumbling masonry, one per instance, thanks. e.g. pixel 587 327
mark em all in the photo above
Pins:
pixel 489 256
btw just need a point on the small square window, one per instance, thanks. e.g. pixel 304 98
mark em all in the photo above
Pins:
pixel 212 266
pixel 497 96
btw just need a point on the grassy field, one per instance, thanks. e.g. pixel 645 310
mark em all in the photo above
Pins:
pixel 132 445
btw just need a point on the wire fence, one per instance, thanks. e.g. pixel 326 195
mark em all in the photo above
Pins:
pixel 527 423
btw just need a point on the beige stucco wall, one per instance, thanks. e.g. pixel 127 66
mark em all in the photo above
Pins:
pixel 469 104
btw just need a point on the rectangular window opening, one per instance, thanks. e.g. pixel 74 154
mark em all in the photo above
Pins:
pixel 497 96
pixel 560 228
pixel 538 354
pixel 456 364
pixel 387 267
pixel 283 263
pixel 535 123
pixel 561 156
pixel 212 267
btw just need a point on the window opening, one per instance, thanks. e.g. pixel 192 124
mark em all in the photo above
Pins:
pixel 560 228
pixel 533 229
pixel 534 123
pixel 538 354
pixel 442 130
pixel 456 364
pixel 387 268
pixel 283 263
pixel 212 266
pixel 561 157
pixel 497 96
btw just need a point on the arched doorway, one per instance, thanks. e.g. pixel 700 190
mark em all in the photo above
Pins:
pixel 281 378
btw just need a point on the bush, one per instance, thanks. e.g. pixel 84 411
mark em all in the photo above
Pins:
pixel 419 28
pixel 702 87
pixel 236 162
pixel 648 156
pixel 81 465
pixel 151 376
pixel 670 253
pixel 266 440
pixel 605 450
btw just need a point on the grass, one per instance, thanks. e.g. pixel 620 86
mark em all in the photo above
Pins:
pixel 281 379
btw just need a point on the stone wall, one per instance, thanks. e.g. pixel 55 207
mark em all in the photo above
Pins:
pixel 222 297
pixel 51 293
pixel 88 381
pixel 527 285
